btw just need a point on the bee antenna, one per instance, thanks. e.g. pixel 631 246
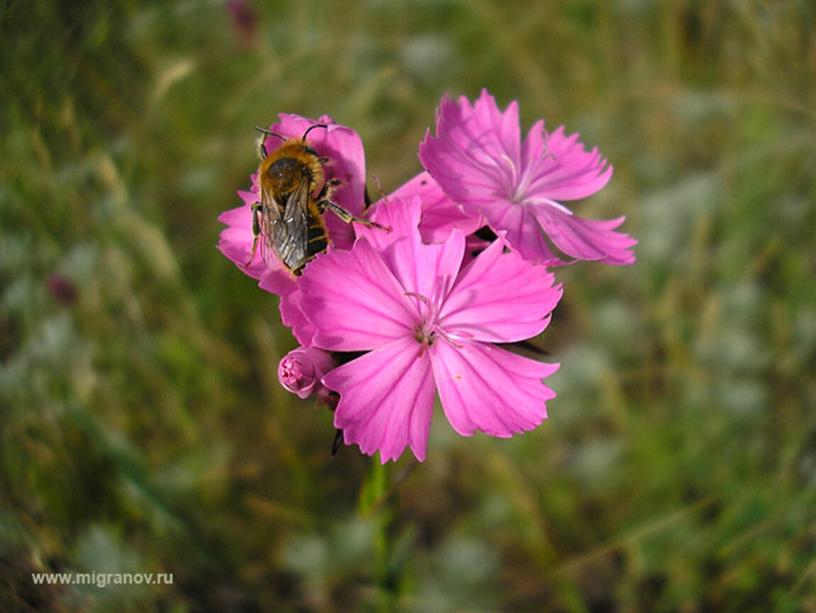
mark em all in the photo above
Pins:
pixel 268 133
pixel 317 125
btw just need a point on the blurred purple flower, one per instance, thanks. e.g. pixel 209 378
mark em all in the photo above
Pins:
pixel 479 160
pixel 428 325
pixel 244 19
pixel 62 289
pixel 300 370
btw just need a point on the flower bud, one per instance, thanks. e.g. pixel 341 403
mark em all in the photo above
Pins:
pixel 301 369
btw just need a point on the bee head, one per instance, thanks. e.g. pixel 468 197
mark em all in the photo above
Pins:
pixel 286 173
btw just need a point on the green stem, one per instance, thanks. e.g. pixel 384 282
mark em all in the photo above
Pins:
pixel 375 506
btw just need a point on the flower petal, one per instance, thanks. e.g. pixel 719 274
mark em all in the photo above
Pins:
pixel 566 170
pixel 235 241
pixel 500 297
pixel 440 214
pixel 587 239
pixel 467 159
pixel 522 231
pixel 503 126
pixel 426 272
pixel 535 144
pixel 483 387
pixel 401 215
pixel 386 399
pixel 354 301
pixel 282 283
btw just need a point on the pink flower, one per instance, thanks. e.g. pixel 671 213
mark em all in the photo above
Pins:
pixel 300 370
pixel 344 148
pixel 480 161
pixel 428 324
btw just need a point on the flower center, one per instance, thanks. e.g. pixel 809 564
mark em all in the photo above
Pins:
pixel 425 334
pixel 518 180
pixel 428 328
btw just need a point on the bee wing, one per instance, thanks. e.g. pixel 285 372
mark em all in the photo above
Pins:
pixel 290 232
pixel 270 220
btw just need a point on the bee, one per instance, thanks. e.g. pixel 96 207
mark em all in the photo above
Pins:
pixel 294 196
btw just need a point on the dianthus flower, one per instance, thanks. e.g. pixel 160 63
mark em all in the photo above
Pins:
pixel 479 160
pixel 344 148
pixel 300 371
pixel 428 324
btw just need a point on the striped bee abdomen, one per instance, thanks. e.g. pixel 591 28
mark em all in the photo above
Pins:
pixel 317 237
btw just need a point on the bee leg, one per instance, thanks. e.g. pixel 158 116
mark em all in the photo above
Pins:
pixel 328 189
pixel 252 253
pixel 256 231
pixel 347 216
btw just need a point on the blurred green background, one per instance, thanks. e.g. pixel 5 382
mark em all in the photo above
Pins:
pixel 142 425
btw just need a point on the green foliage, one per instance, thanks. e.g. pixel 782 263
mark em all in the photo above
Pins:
pixel 141 424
